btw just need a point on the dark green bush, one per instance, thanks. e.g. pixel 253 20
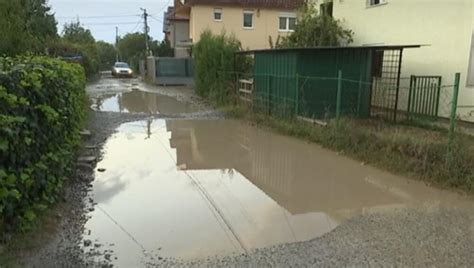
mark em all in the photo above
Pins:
pixel 89 53
pixel 215 67
pixel 41 113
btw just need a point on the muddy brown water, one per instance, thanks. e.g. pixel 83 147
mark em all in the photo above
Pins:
pixel 138 101
pixel 189 189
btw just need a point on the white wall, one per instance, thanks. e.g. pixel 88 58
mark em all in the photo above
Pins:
pixel 445 26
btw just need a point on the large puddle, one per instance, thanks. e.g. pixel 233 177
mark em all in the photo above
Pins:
pixel 192 189
pixel 137 101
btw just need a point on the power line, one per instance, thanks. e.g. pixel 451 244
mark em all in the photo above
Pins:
pixel 98 17
pixel 158 20
pixel 164 7
pixel 109 23
pixel 136 26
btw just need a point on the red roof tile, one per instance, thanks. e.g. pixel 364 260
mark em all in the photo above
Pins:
pixel 281 4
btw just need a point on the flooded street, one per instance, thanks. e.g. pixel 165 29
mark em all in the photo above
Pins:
pixel 170 190
pixel 190 189
pixel 133 96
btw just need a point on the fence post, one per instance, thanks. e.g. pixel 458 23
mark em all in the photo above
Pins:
pixel 297 94
pixel 269 94
pixel 359 95
pixel 452 117
pixel 410 97
pixel 339 91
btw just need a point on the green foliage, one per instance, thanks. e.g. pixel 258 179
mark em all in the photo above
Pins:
pixel 215 68
pixel 132 49
pixel 77 41
pixel 74 33
pixel 41 113
pixel 26 26
pixel 88 52
pixel 107 55
pixel 162 49
pixel 314 30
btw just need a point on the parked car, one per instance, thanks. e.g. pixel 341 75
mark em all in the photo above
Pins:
pixel 121 69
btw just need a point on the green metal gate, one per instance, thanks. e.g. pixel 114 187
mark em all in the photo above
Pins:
pixel 423 98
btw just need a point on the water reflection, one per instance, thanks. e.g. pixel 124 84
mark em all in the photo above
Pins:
pixel 194 188
pixel 137 101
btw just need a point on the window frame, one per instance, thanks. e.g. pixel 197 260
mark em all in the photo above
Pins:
pixel 327 8
pixel 287 17
pixel 217 11
pixel 470 67
pixel 247 12
pixel 370 3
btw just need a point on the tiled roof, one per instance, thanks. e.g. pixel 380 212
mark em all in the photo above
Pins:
pixel 282 4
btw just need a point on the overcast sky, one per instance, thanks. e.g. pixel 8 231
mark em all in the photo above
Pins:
pixel 101 16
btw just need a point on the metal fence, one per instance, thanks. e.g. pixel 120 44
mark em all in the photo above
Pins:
pixel 419 98
pixel 174 71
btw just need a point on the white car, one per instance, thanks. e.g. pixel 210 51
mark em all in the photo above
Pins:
pixel 121 69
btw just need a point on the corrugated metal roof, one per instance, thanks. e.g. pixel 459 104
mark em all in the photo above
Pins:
pixel 381 47
pixel 280 4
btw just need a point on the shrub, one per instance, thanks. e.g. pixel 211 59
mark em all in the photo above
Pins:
pixel 215 67
pixel 315 29
pixel 88 52
pixel 41 113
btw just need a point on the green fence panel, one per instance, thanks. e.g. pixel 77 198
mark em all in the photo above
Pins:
pixel 304 82
pixel 423 98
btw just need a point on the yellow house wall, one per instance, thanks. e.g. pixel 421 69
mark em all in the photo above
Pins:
pixel 265 24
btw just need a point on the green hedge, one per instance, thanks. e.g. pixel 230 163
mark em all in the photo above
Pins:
pixel 41 113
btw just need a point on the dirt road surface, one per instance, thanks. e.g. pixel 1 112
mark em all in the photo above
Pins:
pixel 177 184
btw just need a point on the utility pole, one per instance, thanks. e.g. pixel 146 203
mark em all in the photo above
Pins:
pixel 116 44
pixel 146 30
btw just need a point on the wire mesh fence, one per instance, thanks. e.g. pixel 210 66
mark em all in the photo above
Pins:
pixel 420 98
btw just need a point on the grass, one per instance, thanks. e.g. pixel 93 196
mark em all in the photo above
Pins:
pixel 416 150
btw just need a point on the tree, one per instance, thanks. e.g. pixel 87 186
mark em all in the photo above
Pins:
pixel 107 55
pixel 314 30
pixel 26 25
pixel 132 48
pixel 162 49
pixel 73 32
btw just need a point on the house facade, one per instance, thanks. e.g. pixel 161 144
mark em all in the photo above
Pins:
pixel 254 22
pixel 444 27
pixel 176 28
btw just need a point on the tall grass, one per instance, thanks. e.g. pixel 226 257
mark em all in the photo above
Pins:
pixel 216 65
pixel 403 149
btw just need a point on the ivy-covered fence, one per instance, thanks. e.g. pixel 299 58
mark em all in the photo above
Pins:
pixel 41 114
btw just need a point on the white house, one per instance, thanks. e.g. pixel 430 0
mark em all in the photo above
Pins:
pixel 446 27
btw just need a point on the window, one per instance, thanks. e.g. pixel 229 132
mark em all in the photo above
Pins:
pixel 371 3
pixel 248 19
pixel 287 22
pixel 470 71
pixel 326 9
pixel 218 14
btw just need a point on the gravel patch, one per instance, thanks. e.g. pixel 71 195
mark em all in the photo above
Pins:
pixel 415 238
